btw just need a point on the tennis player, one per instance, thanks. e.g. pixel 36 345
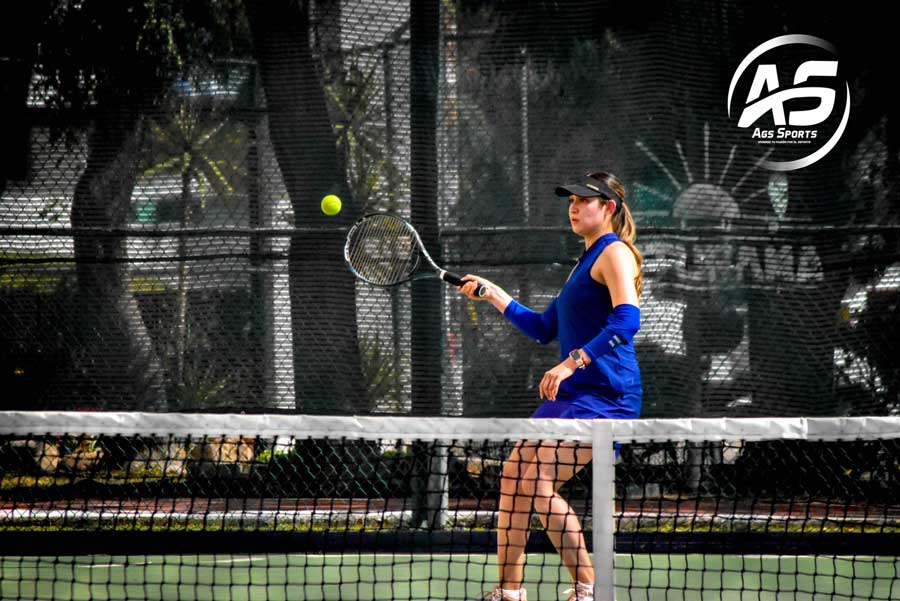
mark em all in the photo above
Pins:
pixel 595 317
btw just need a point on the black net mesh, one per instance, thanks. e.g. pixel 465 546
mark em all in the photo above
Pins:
pixel 163 247
pixel 325 517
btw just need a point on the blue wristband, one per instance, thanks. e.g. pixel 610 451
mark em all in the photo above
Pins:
pixel 621 326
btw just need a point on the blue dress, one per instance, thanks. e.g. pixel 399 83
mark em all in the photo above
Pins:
pixel 609 387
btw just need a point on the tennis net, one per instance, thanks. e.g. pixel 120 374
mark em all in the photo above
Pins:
pixel 166 506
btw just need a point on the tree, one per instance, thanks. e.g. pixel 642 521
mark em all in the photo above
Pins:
pixel 17 51
pixel 107 62
pixel 327 367
pixel 109 65
pixel 196 140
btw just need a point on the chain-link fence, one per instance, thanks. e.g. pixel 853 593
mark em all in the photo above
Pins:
pixel 163 246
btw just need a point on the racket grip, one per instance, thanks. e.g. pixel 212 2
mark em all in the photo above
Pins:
pixel 452 278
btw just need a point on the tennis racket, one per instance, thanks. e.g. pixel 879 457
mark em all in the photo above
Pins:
pixel 385 250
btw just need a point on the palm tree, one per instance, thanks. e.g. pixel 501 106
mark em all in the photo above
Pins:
pixel 198 141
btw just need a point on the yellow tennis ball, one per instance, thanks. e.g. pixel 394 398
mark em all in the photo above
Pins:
pixel 331 205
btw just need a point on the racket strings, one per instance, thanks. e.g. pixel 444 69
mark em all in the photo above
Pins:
pixel 383 250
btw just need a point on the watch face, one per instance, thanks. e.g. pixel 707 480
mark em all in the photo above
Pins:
pixel 576 357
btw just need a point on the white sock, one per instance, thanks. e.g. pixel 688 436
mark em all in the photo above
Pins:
pixel 516 594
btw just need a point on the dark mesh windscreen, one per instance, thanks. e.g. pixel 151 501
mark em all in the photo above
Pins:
pixel 162 245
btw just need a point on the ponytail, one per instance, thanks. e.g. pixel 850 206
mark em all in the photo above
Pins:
pixel 623 225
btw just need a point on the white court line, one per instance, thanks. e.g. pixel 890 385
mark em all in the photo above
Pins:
pixel 235 560
pixel 426 556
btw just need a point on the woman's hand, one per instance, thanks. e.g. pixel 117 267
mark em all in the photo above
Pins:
pixel 554 377
pixel 494 294
pixel 470 288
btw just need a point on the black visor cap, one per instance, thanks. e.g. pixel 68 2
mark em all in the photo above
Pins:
pixel 589 187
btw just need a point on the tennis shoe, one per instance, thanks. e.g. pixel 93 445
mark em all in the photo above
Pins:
pixel 580 592
pixel 497 595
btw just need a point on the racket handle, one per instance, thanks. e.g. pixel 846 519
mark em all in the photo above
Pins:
pixel 452 278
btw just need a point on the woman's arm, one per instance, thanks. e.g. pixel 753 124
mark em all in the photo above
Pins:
pixel 542 327
pixel 617 268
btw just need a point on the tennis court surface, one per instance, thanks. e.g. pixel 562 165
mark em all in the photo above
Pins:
pixel 424 576
pixel 163 506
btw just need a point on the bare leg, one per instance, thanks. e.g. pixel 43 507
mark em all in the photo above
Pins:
pixel 555 464
pixel 514 514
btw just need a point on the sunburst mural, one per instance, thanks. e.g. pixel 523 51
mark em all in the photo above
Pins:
pixel 690 270
pixel 706 199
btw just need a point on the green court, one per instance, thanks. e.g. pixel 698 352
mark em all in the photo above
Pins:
pixel 435 577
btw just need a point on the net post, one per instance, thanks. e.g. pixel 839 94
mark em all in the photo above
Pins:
pixel 603 509
pixel 437 496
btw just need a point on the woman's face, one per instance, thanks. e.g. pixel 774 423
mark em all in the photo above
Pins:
pixel 587 215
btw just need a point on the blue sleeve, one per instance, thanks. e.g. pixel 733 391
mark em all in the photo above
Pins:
pixel 542 327
pixel 622 325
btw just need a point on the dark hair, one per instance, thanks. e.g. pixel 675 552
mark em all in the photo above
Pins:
pixel 623 223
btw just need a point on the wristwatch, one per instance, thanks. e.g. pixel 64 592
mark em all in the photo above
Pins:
pixel 575 356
